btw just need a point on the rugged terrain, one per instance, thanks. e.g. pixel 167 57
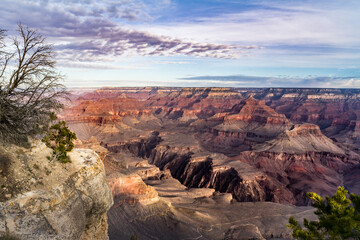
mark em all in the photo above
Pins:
pixel 40 199
pixel 171 155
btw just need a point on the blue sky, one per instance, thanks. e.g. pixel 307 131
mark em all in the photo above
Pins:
pixel 236 43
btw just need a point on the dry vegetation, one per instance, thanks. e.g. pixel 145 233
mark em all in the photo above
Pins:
pixel 30 87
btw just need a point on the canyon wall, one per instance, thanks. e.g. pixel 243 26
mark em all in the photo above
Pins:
pixel 184 158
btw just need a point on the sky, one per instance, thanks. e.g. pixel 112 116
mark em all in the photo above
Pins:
pixel 197 43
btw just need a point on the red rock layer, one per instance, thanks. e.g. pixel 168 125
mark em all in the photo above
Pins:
pixel 102 111
pixel 252 110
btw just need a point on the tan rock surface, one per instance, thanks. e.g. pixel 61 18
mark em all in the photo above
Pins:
pixel 54 200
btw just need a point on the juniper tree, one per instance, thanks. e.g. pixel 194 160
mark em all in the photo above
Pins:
pixel 60 139
pixel 339 218
pixel 30 87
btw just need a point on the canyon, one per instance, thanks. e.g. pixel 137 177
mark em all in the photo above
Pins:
pixel 217 163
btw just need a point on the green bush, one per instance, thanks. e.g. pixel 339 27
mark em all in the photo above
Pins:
pixel 60 139
pixel 339 218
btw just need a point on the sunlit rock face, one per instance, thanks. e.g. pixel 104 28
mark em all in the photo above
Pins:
pixel 132 189
pixel 51 200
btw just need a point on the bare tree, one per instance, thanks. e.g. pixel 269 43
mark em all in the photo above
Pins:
pixel 30 87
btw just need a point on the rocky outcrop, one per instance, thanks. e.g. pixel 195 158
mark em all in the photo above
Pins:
pixel 131 189
pixel 300 138
pixel 50 200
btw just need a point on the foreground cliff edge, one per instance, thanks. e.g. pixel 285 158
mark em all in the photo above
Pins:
pixel 42 199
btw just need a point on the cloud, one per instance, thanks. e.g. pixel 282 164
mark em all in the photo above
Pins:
pixel 276 22
pixel 95 65
pixel 117 41
pixel 314 32
pixel 260 81
pixel 89 30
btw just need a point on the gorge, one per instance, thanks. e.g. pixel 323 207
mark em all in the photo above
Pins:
pixel 173 154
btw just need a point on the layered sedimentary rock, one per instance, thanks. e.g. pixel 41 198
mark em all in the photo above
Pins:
pixel 242 181
pixel 242 129
pixel 193 103
pixel 219 146
pixel 301 138
pixel 248 123
pixel 109 119
pixel 50 200
pixel 179 212
pixel 335 111
pixel 105 110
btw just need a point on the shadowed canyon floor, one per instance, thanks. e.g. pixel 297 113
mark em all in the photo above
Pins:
pixel 217 163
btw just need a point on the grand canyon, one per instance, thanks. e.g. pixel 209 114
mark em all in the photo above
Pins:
pixel 217 163
pixel 179 120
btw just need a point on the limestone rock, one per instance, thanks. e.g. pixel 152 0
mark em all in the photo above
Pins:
pixel 69 201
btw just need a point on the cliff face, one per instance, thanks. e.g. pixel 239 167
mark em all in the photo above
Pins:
pixel 41 199
pixel 241 180
pixel 193 103
pixel 160 207
pixel 107 110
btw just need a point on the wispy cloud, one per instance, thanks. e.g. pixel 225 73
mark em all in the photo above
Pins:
pixel 260 81
pixel 297 29
pixel 276 22
pixel 88 31
pixel 95 65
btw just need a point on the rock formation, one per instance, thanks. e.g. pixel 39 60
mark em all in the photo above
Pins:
pixel 41 199
pixel 159 206
pixel 169 150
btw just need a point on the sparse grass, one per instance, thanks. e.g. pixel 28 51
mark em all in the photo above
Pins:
pixel 5 162
pixel 47 171
pixel 20 152
pixel 29 170
pixel 8 237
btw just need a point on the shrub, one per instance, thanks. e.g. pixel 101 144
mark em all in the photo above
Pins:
pixel 339 218
pixel 60 139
